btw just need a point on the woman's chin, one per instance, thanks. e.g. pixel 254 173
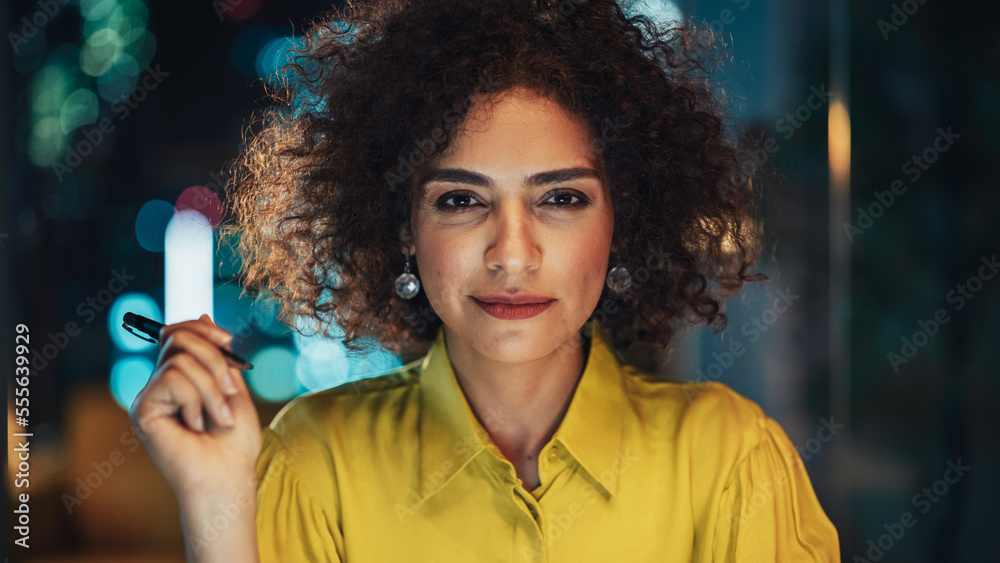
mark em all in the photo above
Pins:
pixel 514 342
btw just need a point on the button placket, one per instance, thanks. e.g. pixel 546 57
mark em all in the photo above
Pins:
pixel 551 464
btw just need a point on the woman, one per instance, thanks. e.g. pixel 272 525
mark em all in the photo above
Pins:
pixel 517 196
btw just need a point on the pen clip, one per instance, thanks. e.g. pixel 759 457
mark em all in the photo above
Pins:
pixel 139 334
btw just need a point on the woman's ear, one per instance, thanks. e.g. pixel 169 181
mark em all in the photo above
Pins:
pixel 406 237
pixel 615 246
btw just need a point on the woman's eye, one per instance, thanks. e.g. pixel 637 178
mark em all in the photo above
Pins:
pixel 456 201
pixel 565 199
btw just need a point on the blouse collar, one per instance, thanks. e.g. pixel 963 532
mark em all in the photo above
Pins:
pixel 591 431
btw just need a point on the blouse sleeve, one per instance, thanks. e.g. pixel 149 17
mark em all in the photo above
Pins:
pixel 769 511
pixel 291 524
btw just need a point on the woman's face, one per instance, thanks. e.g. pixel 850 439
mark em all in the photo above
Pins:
pixel 515 209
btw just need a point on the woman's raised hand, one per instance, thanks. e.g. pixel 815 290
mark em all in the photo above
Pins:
pixel 199 425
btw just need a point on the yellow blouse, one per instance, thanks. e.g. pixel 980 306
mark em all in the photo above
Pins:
pixel 398 469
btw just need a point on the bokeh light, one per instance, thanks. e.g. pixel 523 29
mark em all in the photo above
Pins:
pixel 151 224
pixel 322 362
pixel 246 47
pixel 131 302
pixel 128 376
pixel 374 360
pixel 47 92
pixel 238 10
pixel 265 312
pixel 232 312
pixel 100 50
pixel 202 200
pixel 273 377
pixel 119 81
pixel 187 268
pixel 227 259
pixel 273 55
pixel 79 108
pixel 325 362
pixel 93 10
pixel 68 85
pixel 663 11
pixel 46 142
pixel 50 86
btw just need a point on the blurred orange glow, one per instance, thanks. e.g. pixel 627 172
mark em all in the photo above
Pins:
pixel 839 128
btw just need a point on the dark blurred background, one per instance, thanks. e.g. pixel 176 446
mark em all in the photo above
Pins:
pixel 873 343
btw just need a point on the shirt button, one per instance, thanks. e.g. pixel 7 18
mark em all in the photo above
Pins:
pixel 553 454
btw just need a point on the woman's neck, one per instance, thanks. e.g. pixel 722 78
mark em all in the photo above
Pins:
pixel 520 405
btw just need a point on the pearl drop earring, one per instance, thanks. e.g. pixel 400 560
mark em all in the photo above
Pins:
pixel 407 284
pixel 619 280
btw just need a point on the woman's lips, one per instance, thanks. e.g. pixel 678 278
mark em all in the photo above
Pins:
pixel 511 311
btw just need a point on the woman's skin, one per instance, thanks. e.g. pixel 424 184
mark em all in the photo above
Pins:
pixel 208 461
pixel 511 237
pixel 491 232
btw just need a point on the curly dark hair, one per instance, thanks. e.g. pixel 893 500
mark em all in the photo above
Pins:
pixel 377 90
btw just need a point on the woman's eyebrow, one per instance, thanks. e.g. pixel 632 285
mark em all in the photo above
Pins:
pixel 462 176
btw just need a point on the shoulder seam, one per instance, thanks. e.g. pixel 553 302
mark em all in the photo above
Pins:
pixel 399 377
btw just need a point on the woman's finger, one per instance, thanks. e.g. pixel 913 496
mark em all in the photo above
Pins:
pixel 170 392
pixel 207 353
pixel 206 384
pixel 203 326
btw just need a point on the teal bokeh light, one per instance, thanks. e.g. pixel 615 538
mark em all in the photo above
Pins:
pixel 132 302
pixel 274 55
pixel 151 224
pixel 273 376
pixel 232 312
pixel 325 362
pixel 128 376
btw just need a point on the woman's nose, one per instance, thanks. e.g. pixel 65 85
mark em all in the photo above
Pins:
pixel 514 246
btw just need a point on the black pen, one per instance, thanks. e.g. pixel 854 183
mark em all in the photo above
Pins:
pixel 152 328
